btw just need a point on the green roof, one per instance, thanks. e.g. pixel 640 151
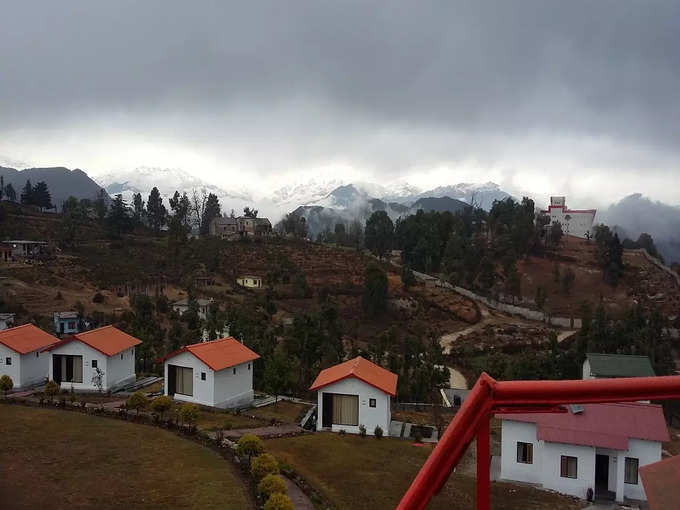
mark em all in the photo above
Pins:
pixel 619 365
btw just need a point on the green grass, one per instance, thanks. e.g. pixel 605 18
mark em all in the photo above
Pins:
pixel 60 459
pixel 364 474
pixel 283 411
pixel 218 419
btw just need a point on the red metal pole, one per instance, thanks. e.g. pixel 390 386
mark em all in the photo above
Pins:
pixel 484 465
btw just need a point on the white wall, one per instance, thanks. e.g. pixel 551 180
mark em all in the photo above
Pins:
pixel 368 416
pixel 120 369
pixel 203 391
pixel 77 348
pixel 34 367
pixel 12 370
pixel 513 432
pixel 234 390
pixel 551 465
pixel 546 467
pixel 220 389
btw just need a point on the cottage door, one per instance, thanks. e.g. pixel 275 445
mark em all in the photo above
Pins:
pixel 327 411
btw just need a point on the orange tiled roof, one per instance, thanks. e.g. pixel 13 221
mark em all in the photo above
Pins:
pixel 362 369
pixel 108 340
pixel 26 338
pixel 218 354
pixel 660 481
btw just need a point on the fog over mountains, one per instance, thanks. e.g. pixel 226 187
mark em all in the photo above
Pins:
pixel 325 203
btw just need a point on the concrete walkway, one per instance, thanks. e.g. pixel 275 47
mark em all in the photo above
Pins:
pixel 299 498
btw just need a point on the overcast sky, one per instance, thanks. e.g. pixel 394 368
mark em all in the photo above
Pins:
pixel 579 97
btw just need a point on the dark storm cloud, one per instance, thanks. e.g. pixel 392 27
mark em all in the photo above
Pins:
pixel 327 74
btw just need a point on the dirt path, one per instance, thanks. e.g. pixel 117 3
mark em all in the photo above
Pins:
pixel 299 498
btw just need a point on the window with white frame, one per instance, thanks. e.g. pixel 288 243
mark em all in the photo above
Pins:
pixel 631 470
pixel 525 453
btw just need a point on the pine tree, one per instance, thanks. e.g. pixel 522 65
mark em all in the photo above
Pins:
pixel 27 193
pixel 211 211
pixel 41 196
pixel 10 193
pixel 156 210
pixel 137 208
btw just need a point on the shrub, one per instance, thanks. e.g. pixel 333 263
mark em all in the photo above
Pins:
pixel 98 298
pixel 6 384
pixel 418 436
pixel 272 484
pixel 138 401
pixel 161 405
pixel 362 430
pixel 378 432
pixel 263 465
pixel 250 445
pixel 278 501
pixel 51 389
pixel 188 413
pixel 342 432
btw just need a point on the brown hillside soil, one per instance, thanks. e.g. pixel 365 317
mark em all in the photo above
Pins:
pixel 641 280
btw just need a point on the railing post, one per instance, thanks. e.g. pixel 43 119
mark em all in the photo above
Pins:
pixel 484 465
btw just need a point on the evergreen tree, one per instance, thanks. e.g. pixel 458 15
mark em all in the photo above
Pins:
pixel 100 206
pixel 10 193
pixel 137 208
pixel 375 290
pixel 41 196
pixel 212 211
pixel 178 222
pixel 155 210
pixel 379 233
pixel 118 221
pixel 27 193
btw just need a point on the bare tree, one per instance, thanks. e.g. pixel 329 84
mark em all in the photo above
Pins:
pixel 198 205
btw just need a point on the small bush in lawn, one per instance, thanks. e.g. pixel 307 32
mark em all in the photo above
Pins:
pixel 6 384
pixel 137 401
pixel 219 437
pixel 161 405
pixel 250 445
pixel 272 484
pixel 263 465
pixel 362 430
pixel 98 298
pixel 51 389
pixel 378 432
pixel 188 413
pixel 418 436
pixel 342 432
pixel 278 501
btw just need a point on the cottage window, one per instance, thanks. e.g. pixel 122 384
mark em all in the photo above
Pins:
pixel 525 453
pixel 94 363
pixel 345 409
pixel 202 376
pixel 234 370
pixel 8 361
pixel 631 471
pixel 568 467
pixel 371 402
pixel 71 324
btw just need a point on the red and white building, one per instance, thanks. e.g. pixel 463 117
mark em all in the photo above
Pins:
pixel 598 447
pixel 215 374
pixel 354 393
pixel 21 356
pixel 575 222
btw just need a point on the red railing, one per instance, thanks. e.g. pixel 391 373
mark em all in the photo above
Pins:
pixel 489 396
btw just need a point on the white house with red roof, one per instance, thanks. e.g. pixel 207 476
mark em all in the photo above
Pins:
pixel 216 374
pixel 595 446
pixel 575 222
pixel 21 355
pixel 104 355
pixel 356 392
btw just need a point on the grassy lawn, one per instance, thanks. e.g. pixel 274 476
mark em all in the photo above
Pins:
pixel 218 419
pixel 59 459
pixel 364 474
pixel 283 411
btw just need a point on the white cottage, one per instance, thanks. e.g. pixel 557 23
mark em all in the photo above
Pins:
pixel 21 355
pixel 80 360
pixel 595 446
pixel 356 392
pixel 214 374
pixel 574 222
